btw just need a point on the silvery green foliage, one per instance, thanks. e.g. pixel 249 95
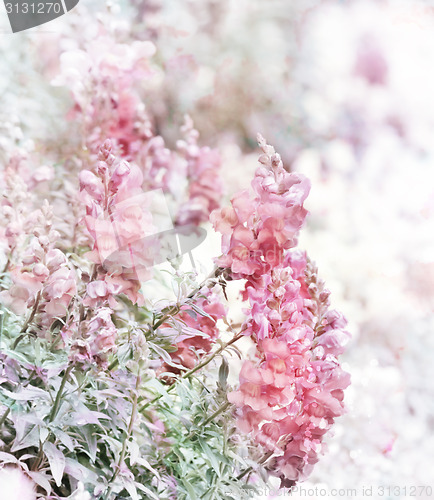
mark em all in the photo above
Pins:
pixel 119 432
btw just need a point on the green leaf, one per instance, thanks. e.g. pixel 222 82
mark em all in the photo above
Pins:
pixel 162 353
pixel 28 394
pixel 202 312
pixel 209 453
pixel 7 458
pixel 65 439
pixel 223 373
pixel 131 488
pixel 91 440
pixel 42 480
pixel 189 488
pixel 124 353
pixel 56 459
pixel 27 440
pixel 146 490
pixel 79 471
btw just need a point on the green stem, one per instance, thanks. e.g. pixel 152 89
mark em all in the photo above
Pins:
pixel 250 469
pixel 129 431
pixel 6 265
pixel 216 413
pixel 60 393
pixel 170 311
pixel 245 472
pixel 38 459
pixel 113 364
pixel 53 414
pixel 28 321
pixel 212 356
pixel 211 275
pixel 211 418
pixel 195 369
pixel 5 416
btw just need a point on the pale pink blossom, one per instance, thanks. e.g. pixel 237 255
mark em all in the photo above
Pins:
pixel 59 291
pixel 193 346
pixel 15 484
pixel 94 339
pixel 204 184
pixel 290 394
pixel 119 222
pixel 256 232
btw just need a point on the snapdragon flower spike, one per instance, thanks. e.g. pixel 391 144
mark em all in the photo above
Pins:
pixel 16 205
pixel 103 82
pixel 205 186
pixel 257 231
pixel 119 223
pixel 289 396
pixel 189 345
pixel 43 279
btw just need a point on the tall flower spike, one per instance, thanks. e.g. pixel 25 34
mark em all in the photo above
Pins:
pixel 42 280
pixel 119 223
pixel 103 82
pixel 204 184
pixel 289 396
pixel 257 231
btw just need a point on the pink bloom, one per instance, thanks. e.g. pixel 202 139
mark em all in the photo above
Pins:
pixel 93 340
pixel 192 346
pixel 257 231
pixel 289 397
pixel 205 187
pixel 119 222
pixel 58 292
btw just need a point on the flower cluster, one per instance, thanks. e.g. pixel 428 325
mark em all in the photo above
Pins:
pixel 102 80
pixel 200 331
pixel 16 203
pixel 115 380
pixel 204 183
pixel 43 280
pixel 94 339
pixel 290 396
pixel 119 222
pixel 257 231
pixel 106 82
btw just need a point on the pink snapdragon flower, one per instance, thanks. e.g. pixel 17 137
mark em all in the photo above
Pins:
pixel 93 340
pixel 107 83
pixel 191 346
pixel 256 232
pixel 42 280
pixel 289 396
pixel 119 223
pixel 16 205
pixel 104 83
pixel 205 186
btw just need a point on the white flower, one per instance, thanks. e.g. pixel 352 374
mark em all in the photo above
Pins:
pixel 15 485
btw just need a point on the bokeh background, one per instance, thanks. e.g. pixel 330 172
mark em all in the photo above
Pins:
pixel 344 90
